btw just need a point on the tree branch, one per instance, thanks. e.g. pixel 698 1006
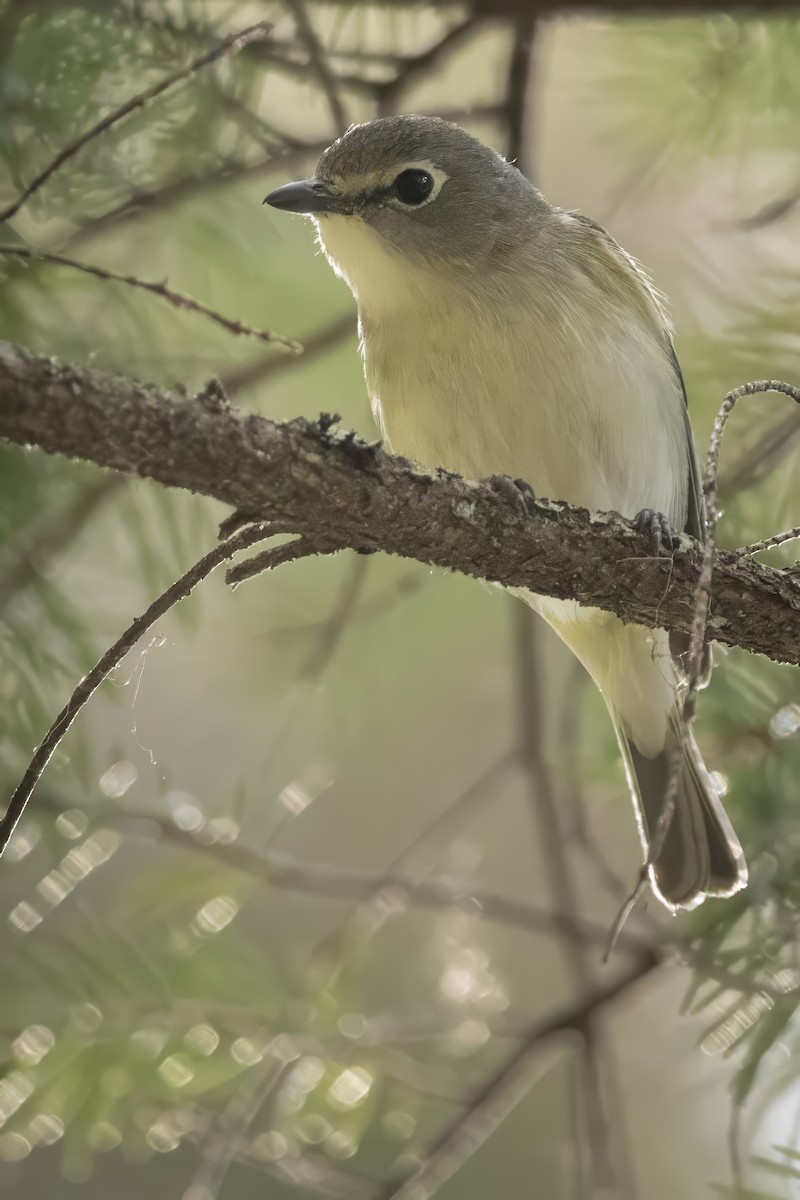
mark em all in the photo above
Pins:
pixel 113 656
pixel 329 485
pixel 232 43
pixel 176 299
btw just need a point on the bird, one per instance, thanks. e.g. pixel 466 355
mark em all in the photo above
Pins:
pixel 505 338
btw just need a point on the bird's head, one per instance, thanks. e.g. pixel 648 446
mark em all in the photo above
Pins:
pixel 411 192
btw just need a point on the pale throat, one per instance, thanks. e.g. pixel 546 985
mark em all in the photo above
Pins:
pixel 420 336
pixel 381 278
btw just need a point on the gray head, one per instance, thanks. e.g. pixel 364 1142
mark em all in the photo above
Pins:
pixel 425 187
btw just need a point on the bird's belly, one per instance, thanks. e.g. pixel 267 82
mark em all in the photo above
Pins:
pixel 475 406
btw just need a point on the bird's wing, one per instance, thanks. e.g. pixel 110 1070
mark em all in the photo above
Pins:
pixel 654 312
pixel 651 306
pixel 695 523
pixel 696 510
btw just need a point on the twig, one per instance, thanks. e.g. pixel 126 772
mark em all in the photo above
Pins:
pixel 263 132
pixel 114 655
pixel 702 603
pixel 287 873
pixel 382 603
pixel 703 589
pixel 145 201
pixel 229 173
pixel 518 85
pixel 326 643
pixel 331 632
pixel 294 62
pixel 319 62
pixel 412 865
pixel 507 1088
pixel 176 299
pixel 777 539
pixel 322 1178
pixel 275 556
pixel 601 1172
pixel 230 44
pixel 773 211
pixel 282 871
pixel 627 908
pixel 413 66
pixel 219 1147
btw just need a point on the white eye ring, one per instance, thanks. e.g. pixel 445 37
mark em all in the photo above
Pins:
pixel 422 168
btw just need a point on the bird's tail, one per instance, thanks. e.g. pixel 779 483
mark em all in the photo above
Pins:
pixel 700 854
pixel 633 667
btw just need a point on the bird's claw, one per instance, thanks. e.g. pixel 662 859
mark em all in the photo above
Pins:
pixel 517 492
pixel 657 529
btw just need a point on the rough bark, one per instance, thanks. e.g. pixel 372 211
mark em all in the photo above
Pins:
pixel 334 488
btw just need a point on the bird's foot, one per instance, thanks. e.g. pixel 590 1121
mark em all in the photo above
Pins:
pixel 657 529
pixel 516 491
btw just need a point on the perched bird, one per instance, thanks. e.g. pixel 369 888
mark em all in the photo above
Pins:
pixel 502 336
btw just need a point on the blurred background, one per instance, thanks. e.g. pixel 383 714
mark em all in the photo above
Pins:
pixel 288 901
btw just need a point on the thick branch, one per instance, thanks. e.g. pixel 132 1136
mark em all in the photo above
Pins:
pixel 331 487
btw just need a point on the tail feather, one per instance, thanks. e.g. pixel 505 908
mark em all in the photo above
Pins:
pixel 634 670
pixel 701 855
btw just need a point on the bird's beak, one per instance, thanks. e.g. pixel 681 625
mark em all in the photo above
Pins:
pixel 305 196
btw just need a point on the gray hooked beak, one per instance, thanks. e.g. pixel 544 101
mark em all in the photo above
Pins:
pixel 305 196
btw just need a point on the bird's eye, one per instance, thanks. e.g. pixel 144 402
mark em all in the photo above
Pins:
pixel 412 187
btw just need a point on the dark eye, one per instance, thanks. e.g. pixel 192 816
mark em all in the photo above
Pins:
pixel 412 186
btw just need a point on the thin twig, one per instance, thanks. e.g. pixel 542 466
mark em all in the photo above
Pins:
pixel 329 636
pixel 230 44
pixel 318 60
pixel 331 633
pixel 777 539
pixel 112 657
pixel 313 878
pixel 219 1147
pixel 600 1169
pixel 176 299
pixel 413 67
pixel 774 210
pixel 380 899
pixel 263 132
pixel 285 872
pixel 275 556
pixel 146 201
pixel 295 63
pixel 518 85
pixel 703 589
pixel 507 1088
pixel 702 602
